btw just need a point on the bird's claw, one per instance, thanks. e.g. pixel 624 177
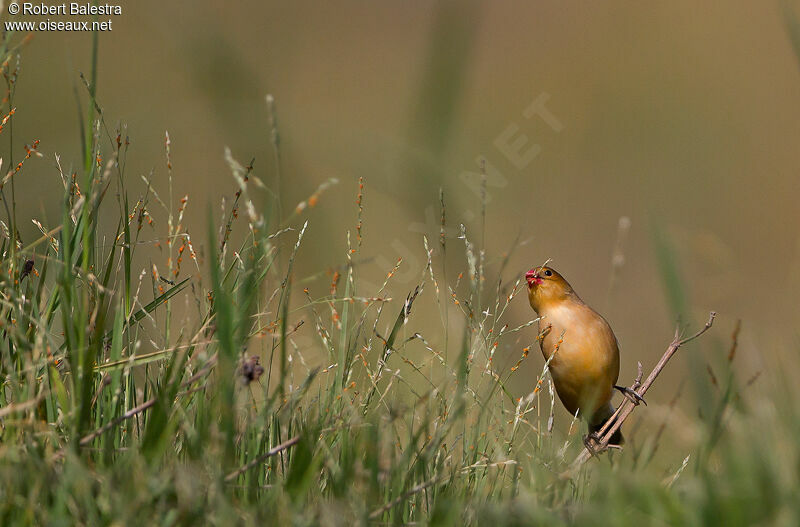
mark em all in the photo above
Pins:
pixel 631 395
pixel 592 443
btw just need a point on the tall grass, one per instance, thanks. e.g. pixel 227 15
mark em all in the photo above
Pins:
pixel 179 392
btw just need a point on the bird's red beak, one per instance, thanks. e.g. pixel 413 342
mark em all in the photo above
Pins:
pixel 533 278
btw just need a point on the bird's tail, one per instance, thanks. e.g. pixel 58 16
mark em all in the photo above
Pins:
pixel 600 419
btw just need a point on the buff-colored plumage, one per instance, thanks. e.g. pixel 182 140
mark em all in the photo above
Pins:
pixel 586 362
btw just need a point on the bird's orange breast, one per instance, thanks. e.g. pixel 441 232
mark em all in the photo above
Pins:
pixel 586 362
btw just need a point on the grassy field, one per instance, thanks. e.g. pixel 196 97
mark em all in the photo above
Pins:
pixel 176 392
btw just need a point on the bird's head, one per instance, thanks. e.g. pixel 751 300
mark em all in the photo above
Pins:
pixel 545 285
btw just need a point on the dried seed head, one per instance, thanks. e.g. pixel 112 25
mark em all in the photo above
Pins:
pixel 251 370
pixel 26 269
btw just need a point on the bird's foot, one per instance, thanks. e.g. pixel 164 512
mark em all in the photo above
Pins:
pixel 631 395
pixel 592 443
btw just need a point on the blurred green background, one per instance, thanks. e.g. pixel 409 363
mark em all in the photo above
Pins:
pixel 683 117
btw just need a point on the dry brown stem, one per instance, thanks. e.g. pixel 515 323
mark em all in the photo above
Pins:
pixel 260 459
pixel 410 492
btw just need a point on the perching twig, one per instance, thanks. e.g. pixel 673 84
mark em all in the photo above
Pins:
pixel 624 410
pixel 630 393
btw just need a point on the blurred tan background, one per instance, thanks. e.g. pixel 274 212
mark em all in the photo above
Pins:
pixel 682 117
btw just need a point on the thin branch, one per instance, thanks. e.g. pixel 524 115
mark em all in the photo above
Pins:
pixel 21 407
pixel 626 408
pixel 87 439
pixel 410 492
pixel 260 459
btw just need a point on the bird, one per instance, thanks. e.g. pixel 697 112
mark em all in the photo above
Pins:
pixel 581 347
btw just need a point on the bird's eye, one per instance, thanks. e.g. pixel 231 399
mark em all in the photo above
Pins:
pixel 548 273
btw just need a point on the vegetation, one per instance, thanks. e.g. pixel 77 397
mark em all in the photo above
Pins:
pixel 134 396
